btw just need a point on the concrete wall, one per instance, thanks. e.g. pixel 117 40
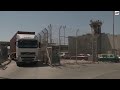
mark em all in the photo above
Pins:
pixel 105 44
pixel 116 41
pixel 84 44
pixel 71 45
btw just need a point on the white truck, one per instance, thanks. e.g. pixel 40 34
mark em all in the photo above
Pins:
pixel 24 48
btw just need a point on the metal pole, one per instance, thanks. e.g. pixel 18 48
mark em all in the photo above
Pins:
pixel 93 46
pixel 76 44
pixel 113 35
pixel 96 59
pixel 50 27
pixel 69 47
pixel 59 38
pixel 39 37
pixel 47 34
pixel 64 34
pixel 43 37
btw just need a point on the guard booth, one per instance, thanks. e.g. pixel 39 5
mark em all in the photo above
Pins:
pixel 53 55
pixel 48 54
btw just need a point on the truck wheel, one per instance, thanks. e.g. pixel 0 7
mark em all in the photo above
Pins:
pixel 35 62
pixel 19 64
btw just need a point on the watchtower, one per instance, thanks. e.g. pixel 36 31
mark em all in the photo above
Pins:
pixel 96 38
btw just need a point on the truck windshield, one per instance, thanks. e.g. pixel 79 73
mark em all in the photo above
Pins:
pixel 27 44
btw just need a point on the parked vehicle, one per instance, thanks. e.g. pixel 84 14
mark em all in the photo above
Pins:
pixel 108 57
pixel 118 57
pixel 64 55
pixel 24 47
pixel 82 56
pixel 67 56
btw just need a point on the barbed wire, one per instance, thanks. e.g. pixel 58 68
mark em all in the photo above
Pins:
pixel 51 33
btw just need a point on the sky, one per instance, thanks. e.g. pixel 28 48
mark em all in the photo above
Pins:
pixel 13 21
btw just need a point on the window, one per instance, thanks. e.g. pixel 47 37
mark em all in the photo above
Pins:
pixel 104 56
pixel 27 44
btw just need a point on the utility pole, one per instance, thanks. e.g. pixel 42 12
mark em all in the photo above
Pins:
pixel 76 44
pixel 113 35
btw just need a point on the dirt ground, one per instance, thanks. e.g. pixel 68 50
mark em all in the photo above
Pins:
pixel 68 70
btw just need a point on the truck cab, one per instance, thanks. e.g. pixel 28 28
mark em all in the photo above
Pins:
pixel 24 48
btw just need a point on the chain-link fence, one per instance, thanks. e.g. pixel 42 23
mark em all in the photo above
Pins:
pixel 45 36
pixel 75 42
pixel 68 39
pixel 56 35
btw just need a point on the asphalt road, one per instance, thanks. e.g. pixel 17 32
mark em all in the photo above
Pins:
pixel 81 71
